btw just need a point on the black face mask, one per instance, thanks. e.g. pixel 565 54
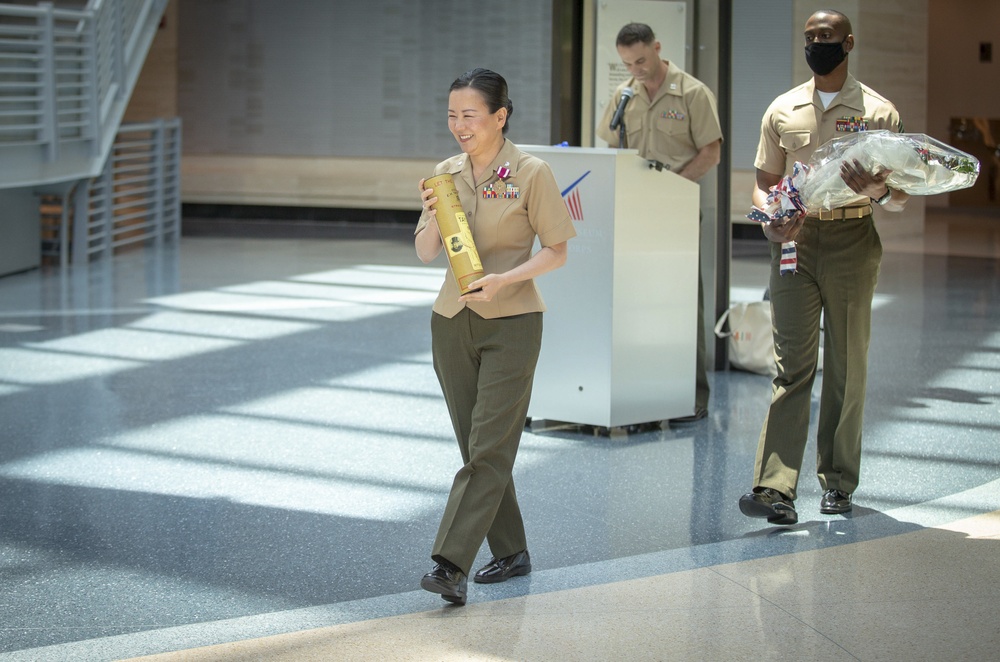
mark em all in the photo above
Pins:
pixel 823 57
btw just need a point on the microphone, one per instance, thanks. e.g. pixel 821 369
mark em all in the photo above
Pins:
pixel 616 119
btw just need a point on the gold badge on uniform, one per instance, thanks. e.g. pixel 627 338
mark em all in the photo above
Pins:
pixel 852 124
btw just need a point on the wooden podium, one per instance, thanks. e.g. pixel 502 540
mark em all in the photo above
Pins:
pixel 619 340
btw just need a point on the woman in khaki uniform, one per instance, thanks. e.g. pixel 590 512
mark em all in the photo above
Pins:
pixel 485 343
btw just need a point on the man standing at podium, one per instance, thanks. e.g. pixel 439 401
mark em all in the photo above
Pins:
pixel 672 120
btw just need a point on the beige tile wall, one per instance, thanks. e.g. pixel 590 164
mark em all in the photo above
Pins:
pixel 309 182
pixel 155 94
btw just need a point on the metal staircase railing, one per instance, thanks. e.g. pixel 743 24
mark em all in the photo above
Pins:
pixel 66 73
pixel 65 78
pixel 135 198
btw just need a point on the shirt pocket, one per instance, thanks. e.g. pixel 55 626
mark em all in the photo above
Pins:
pixel 795 142
pixel 673 123
pixel 672 139
pixel 633 135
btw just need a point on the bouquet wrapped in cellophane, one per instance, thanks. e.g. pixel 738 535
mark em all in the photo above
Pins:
pixel 919 165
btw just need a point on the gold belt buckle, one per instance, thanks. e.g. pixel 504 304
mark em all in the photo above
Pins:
pixel 827 214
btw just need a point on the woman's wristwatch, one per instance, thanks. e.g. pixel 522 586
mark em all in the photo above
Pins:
pixel 884 198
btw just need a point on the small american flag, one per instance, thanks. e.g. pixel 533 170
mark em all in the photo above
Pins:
pixel 572 198
pixel 573 204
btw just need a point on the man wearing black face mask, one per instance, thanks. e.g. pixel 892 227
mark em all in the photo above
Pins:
pixel 838 253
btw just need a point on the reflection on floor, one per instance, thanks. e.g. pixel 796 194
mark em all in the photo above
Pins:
pixel 237 449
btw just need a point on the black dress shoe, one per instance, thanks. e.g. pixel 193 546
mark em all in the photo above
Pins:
pixel 447 580
pixel 500 570
pixel 835 502
pixel 772 504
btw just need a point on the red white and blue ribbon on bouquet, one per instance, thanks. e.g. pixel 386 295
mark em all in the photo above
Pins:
pixel 784 202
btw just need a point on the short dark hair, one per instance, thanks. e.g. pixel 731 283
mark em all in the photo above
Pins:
pixel 840 16
pixel 491 85
pixel 633 33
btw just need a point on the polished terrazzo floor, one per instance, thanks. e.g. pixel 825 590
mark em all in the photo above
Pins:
pixel 237 449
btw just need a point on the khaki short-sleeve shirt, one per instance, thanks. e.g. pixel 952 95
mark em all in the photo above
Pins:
pixel 504 228
pixel 671 127
pixel 795 124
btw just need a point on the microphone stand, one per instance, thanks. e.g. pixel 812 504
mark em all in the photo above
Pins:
pixel 621 134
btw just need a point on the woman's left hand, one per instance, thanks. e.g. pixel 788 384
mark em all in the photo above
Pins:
pixel 484 288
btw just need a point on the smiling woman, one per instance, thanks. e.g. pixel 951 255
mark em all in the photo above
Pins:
pixel 486 342
pixel 479 128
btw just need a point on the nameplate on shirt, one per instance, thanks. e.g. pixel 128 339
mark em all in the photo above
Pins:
pixel 852 124
pixel 672 115
pixel 501 190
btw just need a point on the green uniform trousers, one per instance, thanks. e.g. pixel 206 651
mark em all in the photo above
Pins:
pixel 838 267
pixel 486 368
